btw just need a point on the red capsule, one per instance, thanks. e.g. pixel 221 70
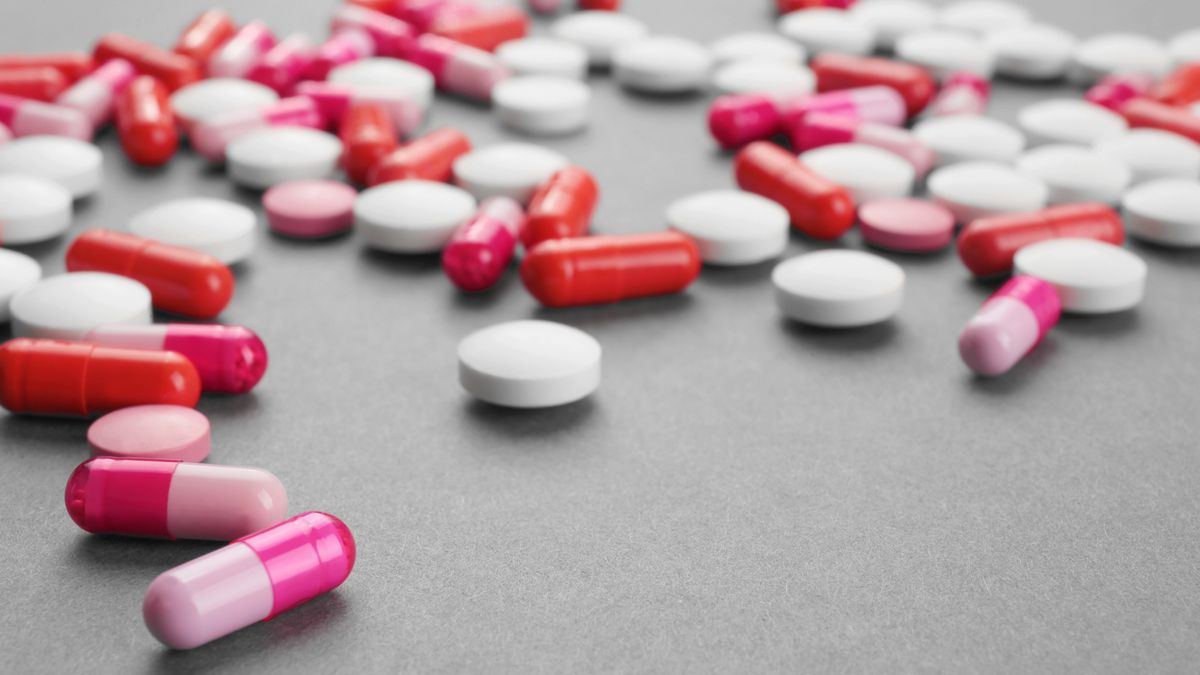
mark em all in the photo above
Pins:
pixel 842 71
pixel 181 281
pixel 173 70
pixel 819 208
pixel 50 377
pixel 482 248
pixel 600 5
pixel 987 245
pixel 205 35
pixel 485 30
pixel 562 206
pixel 430 157
pixel 41 83
pixel 1182 86
pixel 72 65
pixel 367 135
pixel 1148 113
pixel 146 123
pixel 384 6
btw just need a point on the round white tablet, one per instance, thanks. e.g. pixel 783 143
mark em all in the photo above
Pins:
pixel 68 306
pixel 1091 277
pixel 267 157
pixel 513 170
pixel 72 163
pixel 732 227
pixel 1153 154
pixel 764 76
pixel 945 52
pixel 1118 53
pixel 823 31
pixel 411 216
pixel 32 209
pixel 893 18
pixel 200 101
pixel 1077 174
pixel 838 288
pixel 413 81
pixel 1165 211
pixel 542 105
pixel 1066 120
pixel 17 273
pixel 976 189
pixel 1185 47
pixel 740 46
pixel 529 364
pixel 662 64
pixel 599 33
pixel 1033 51
pixel 544 56
pixel 983 16
pixel 966 138
pixel 868 172
pixel 220 228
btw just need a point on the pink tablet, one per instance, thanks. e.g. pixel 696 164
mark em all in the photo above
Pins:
pixel 310 208
pixel 912 225
pixel 152 432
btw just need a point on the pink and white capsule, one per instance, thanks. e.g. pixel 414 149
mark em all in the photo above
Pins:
pixel 482 248
pixel 333 99
pixel 820 129
pixel 457 68
pixel 1009 325
pixel 423 13
pixel 95 94
pixel 282 67
pixel 1115 90
pixel 229 359
pixel 26 117
pixel 962 94
pixel 879 104
pixel 250 580
pixel 211 136
pixel 345 46
pixel 390 35
pixel 242 52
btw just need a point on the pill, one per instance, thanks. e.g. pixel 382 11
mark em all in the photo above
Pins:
pixel 423 13
pixel 1165 211
pixel 1153 154
pixel 561 207
pixel 26 117
pixel 18 272
pixel 599 33
pixel 346 45
pixel 413 81
pixel 1009 325
pixel 838 288
pixel 1091 277
pixel 180 280
pixel 74 164
pixel 795 6
pixel 818 130
pixel 894 18
pixel 1069 121
pixel 823 31
pixel 529 364
pixel 945 52
pixel 544 56
pixel 878 104
pixel 284 64
pixel 512 170
pixel 841 71
pixel 766 76
pixel 32 209
pixel 966 138
pixel 480 249
pixel 229 359
pixel 151 432
pixel 146 122
pixel 411 216
pixel 41 83
pixel 218 227
pixel 241 52
pixel 457 68
pixel 541 105
pixel 486 29
pixel 389 36
pixel 962 94
pixel 973 190
pixel 731 227
pixel 267 157
pixel 907 225
pixel 868 172
pixel 1114 91
pixel 49 377
pixel 430 157
pixel 1185 47
pixel 367 136
pixel 1077 174
pixel 1181 87
pixel 983 16
pixel 739 119
pixel 310 208
pixel 600 5
pixel 987 245
pixel 210 98
pixel 1118 53
pixel 596 270
pixel 173 70
pixel 662 64
pixel 817 207
pixel 752 46
pixel 211 136
pixel 1143 113
pixel 95 94
pixel 335 99
pixel 67 306
pixel 72 65
pixel 205 35
pixel 1032 51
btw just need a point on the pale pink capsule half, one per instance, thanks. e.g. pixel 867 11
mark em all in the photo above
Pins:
pixel 1009 325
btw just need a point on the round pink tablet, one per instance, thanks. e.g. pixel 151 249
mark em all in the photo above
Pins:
pixel 152 432
pixel 906 224
pixel 310 208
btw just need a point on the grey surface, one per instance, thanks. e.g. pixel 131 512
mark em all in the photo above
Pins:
pixel 741 494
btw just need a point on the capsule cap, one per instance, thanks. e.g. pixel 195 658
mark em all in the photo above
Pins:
pixel 304 556
pixel 121 496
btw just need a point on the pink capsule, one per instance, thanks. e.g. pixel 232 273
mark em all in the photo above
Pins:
pixel 26 117
pixel 820 129
pixel 95 94
pixel 230 359
pixel 390 35
pixel 878 103
pixel 167 499
pixel 334 99
pixel 282 67
pixel 456 67
pixel 1009 325
pixel 211 136
pixel 423 13
pixel 5 134
pixel 962 94
pixel 346 46
pixel 741 119
pixel 482 248
pixel 242 52
pixel 1114 91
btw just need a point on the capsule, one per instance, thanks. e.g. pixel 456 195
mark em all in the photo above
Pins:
pixel 211 136
pixel 181 280
pixel 72 65
pixel 545 6
pixel 819 208
pixel 40 83
pixel 229 359
pixel 391 36
pixel 5 134
pixel 51 377
pixel 26 117
pixel 600 5
pixel 345 46
pixel 962 94
pixel 481 248
pixel 484 30
pixel 146 122
pixel 1147 113
pixel 334 100
pixel 987 245
pixel 422 14
pixel 205 35
pixel 561 207
pixel 821 129
pixel 282 67
pixel 430 157
pixel 1114 91
pixel 842 71
pixel 241 52
pixel 1181 87
pixel 1009 325
pixel 456 67
pixel 95 94
pixel 595 270
pixel 737 119
pixel 173 70
pixel 367 135
pixel 252 579
pixel 788 6
pixel 168 499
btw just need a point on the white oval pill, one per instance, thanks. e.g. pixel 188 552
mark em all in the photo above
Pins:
pixel 512 170
pixel 838 288
pixel 1165 211
pixel 72 163
pixel 1091 277
pixel 1032 52
pixel 764 76
pixel 767 46
pixel 1069 121
pixel 893 18
pixel 976 189
pixel 542 105
pixel 206 98
pixel 413 81
pixel 267 157
pixel 218 227
pixel 823 31
pixel 945 52
pixel 983 16
pixel 17 273
pixel 1153 154
pixel 868 172
pixel 411 216
pixel 731 227
pixel 68 306
pixel 662 64
pixel 967 138
pixel 1118 53
pixel 544 56
pixel 599 33
pixel 1185 47
pixel 32 209
pixel 529 364
pixel 1077 174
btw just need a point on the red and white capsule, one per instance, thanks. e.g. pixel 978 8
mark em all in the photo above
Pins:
pixel 334 100
pixel 26 117
pixel 229 359
pixel 456 67
pixel 241 52
pixel 481 249
pixel 1009 325
pixel 95 94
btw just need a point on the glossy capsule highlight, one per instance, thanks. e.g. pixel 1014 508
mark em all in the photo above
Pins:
pixel 1151 114
pixel 561 207
pixel 1009 325
pixel 40 83
pixel 334 99
pixel 481 249
pixel 821 129
pixel 205 35
pixel 95 94
pixel 836 72
pixel 146 122
pixel 457 68
pixel 72 65
pixel 26 117
pixel 817 207
pixel 484 30
pixel 173 70
pixel 962 94
pixel 241 52
pixel 228 359
pixel 367 136
pixel 430 157
pixel 284 64
pixel 211 136
pixel 987 245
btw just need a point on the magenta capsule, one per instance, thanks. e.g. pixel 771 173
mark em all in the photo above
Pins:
pixel 242 52
pixel 962 94
pixel 167 499
pixel 346 46
pixel 95 94
pixel 229 359
pixel 211 136
pixel 27 117
pixel 282 66
pixel 877 103
pixel 820 129
pixel 482 248
pixel 252 579
pixel 334 100
pixel 391 36
pixel 456 67
pixel 1009 325
pixel 1114 91
pixel 740 119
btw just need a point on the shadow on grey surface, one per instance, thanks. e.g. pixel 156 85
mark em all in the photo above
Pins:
pixel 1189 257
pixel 1036 363
pixel 65 433
pixel 658 306
pixel 660 97
pixel 519 424
pixel 402 264
pixel 911 258
pixel 230 406
pixel 841 340
pixel 122 555
pixel 986 286
pixel 490 297
pixel 738 275
pixel 1099 325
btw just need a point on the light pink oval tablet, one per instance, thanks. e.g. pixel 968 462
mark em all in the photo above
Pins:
pixel 152 431
pixel 310 208
pixel 906 225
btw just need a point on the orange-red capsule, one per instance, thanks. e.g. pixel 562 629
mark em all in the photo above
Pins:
pixel 367 135
pixel 1181 87
pixel 430 157
pixel 72 65
pixel 484 30
pixel 205 35
pixel 41 83
pixel 173 70
pixel 561 207
pixel 146 123
pixel 843 71
pixel 818 207
pixel 1148 113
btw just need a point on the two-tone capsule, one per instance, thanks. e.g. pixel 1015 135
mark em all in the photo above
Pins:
pixel 173 70
pixel 334 100
pixel 391 36
pixel 739 119
pixel 457 68
pixel 987 245
pixel 430 157
pixel 561 207
pixel 821 129
pixel 1117 89
pixel 1009 325
pixel 842 71
pixel 205 35
pixel 486 29
pixel 284 64
pixel 367 136
pixel 211 136
pixel 962 94
pixel 228 359
pixel 346 45
pixel 146 122
pixel 481 249
pixel 26 117
pixel 95 94
pixel 817 207
pixel 241 52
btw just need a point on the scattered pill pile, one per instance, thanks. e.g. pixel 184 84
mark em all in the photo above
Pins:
pixel 840 120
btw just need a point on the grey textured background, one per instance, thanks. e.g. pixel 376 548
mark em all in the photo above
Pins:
pixel 741 494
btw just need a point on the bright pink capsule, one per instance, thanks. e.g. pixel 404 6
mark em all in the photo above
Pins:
pixel 390 35
pixel 482 248
pixel 878 103
pixel 334 100
pixel 1009 325
pixel 962 94
pixel 252 579
pixel 229 359
pixel 210 137
pixel 26 117
pixel 282 66
pixel 167 499
pixel 346 46
pixel 821 129
pixel 422 14
pixel 739 119
pixel 95 94
pixel 242 52
pixel 456 67
pixel 1114 91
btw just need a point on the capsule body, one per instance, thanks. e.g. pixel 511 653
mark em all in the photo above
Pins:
pixel 1147 113
pixel 422 14
pixel 987 245
pixel 821 129
pixel 1114 91
pixel 146 122
pixel 561 207
pixel 334 99
pixel 456 67
pixel 1181 87
pixel 181 280
pixel 600 5
pixel 818 207
pixel 481 249
pixel 252 579
pixel 72 65
pixel 594 270
pixel 26 117
pixel 241 52
pixel 737 119
pixel 347 45
pixel 1009 325
pixel 484 30
pixel 367 135
pixel 879 104
pixel 283 65
pixel 391 36
pixel 51 377
pixel 430 157
pixel 545 6
pixel 228 359
pixel 95 94
pixel 173 70
pixel 962 94
pixel 787 6
pixel 211 136
pixel 40 83
pixel 841 71
pixel 205 35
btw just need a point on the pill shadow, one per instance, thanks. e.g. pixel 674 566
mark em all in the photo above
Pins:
pixel 521 424
pixel 54 433
pixel 1189 257
pixel 986 286
pixel 1099 325
pixel 103 553
pixel 1036 363
pixel 738 275
pixel 656 307
pixel 666 97
pixel 402 264
pixel 911 258
pixel 43 249
pixel 229 406
pixel 842 340
pixel 479 300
